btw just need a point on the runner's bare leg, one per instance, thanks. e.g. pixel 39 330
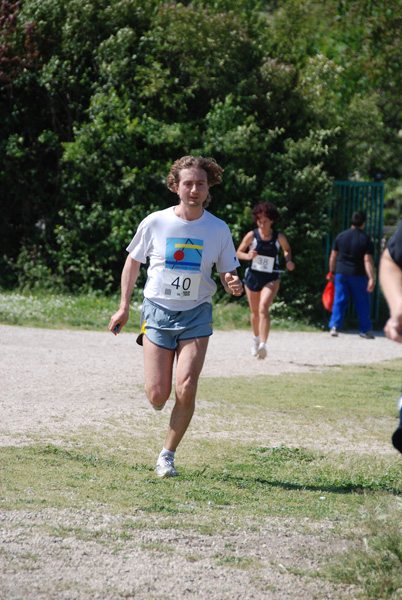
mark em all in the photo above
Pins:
pixel 268 294
pixel 254 303
pixel 158 369
pixel 190 360
pixel 158 364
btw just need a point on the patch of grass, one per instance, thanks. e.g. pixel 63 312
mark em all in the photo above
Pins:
pixel 193 558
pixel 92 311
pixel 374 564
pixel 156 547
pixel 363 391
pixel 239 562
pixel 241 483
pixel 234 475
pixel 64 311
pixel 228 474
pixel 235 314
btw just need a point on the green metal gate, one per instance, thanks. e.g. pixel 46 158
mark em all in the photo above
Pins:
pixel 347 197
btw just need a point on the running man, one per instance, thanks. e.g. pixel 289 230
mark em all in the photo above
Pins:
pixel 183 243
pixel 391 283
pixel 261 248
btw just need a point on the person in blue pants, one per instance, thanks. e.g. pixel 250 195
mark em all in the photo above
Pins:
pixel 352 269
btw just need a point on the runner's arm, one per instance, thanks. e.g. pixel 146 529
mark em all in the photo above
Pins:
pixel 244 244
pixel 391 283
pixel 129 277
pixel 287 252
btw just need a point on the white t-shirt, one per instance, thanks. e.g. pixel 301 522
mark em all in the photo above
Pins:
pixel 181 256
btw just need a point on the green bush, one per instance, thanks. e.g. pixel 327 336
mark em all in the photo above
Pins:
pixel 98 99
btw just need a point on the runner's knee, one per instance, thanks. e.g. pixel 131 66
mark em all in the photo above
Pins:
pixel 186 390
pixel 157 395
pixel 264 309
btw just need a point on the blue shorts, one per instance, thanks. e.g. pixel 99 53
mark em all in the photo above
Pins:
pixel 255 280
pixel 166 327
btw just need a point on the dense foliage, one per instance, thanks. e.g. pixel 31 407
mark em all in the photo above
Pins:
pixel 97 98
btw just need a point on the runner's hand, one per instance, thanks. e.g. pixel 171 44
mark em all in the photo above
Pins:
pixel 118 320
pixel 234 284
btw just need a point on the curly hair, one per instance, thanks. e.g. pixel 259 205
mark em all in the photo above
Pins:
pixel 266 209
pixel 209 165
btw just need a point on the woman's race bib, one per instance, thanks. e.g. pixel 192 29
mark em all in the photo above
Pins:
pixel 181 285
pixel 263 263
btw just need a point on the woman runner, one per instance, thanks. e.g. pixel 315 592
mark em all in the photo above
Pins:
pixel 261 282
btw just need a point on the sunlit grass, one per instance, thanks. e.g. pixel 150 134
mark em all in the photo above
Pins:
pixel 374 563
pixel 299 449
pixel 237 483
pixel 92 311
pixel 63 311
pixel 285 435
pixel 232 488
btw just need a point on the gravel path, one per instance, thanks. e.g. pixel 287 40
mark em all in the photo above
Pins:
pixel 46 374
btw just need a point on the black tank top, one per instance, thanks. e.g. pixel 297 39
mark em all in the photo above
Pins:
pixel 266 248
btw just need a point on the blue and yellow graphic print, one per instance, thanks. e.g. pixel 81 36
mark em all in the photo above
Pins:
pixel 184 254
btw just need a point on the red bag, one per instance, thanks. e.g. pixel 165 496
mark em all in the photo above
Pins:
pixel 329 294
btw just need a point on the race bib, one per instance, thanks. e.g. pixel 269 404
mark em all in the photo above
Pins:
pixel 263 263
pixel 181 285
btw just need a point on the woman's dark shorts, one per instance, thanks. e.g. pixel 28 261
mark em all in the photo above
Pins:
pixel 255 280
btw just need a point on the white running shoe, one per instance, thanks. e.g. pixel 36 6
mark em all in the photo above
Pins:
pixel 165 467
pixel 262 350
pixel 254 347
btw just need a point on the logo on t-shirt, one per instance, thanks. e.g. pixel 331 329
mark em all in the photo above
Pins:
pixel 184 254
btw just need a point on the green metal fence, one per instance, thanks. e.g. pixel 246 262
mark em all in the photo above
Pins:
pixel 347 197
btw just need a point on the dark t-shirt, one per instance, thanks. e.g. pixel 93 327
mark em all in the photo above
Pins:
pixel 352 245
pixel 395 246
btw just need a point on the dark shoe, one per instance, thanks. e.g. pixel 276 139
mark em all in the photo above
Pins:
pixel 397 439
pixel 367 335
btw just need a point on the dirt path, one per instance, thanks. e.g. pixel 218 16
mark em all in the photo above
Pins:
pixel 53 381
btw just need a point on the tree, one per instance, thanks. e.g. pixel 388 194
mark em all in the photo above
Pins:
pixel 98 98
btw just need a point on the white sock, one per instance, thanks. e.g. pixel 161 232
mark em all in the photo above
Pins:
pixel 166 452
pixel 256 339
